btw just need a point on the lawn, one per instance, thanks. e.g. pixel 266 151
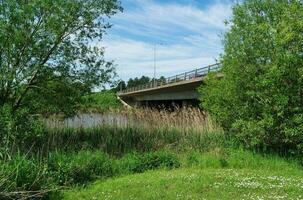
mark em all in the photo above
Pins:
pixel 241 178
pixel 194 183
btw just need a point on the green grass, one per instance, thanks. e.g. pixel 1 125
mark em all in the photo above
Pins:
pixel 101 101
pixel 121 140
pixel 61 169
pixel 194 183
pixel 235 174
pixel 186 158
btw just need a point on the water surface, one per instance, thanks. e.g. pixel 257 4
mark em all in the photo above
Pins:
pixel 88 120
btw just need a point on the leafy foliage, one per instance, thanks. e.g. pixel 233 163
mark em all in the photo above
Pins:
pixel 142 81
pixel 138 81
pixel 48 62
pixel 142 162
pixel 23 173
pixel 46 54
pixel 101 101
pixel 260 97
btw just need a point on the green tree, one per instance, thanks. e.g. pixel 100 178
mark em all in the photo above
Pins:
pixel 46 49
pixel 138 81
pixel 121 86
pixel 260 97
pixel 161 79
pixel 130 83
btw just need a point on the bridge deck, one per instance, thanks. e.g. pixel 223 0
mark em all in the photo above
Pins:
pixel 180 79
pixel 197 79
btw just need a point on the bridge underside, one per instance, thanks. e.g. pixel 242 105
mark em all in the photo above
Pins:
pixel 179 94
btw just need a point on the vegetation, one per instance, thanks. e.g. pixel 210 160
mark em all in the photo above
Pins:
pixel 61 157
pixel 134 82
pixel 100 101
pixel 259 98
pixel 46 61
pixel 48 66
pixel 138 130
pixel 230 175
pixel 48 52
pixel 138 81
pixel 36 178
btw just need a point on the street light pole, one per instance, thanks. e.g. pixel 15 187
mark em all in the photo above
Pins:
pixel 155 49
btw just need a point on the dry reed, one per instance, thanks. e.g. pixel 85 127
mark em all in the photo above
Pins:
pixel 183 119
pixel 135 130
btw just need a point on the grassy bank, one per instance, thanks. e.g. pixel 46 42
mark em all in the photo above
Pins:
pixel 65 157
pixel 63 162
pixel 101 101
pixel 28 177
pixel 192 183
pixel 194 174
pixel 233 174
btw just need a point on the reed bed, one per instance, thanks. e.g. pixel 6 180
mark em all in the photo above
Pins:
pixel 125 131
pixel 185 119
pixel 79 150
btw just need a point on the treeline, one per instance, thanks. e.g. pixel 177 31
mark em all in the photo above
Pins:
pixel 134 82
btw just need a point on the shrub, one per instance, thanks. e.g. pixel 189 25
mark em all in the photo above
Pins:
pixel 85 166
pixel 259 98
pixel 137 163
pixel 19 131
pixel 24 173
pixel 6 127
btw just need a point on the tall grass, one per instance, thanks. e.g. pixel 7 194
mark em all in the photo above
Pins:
pixel 185 119
pixel 54 157
pixel 124 142
pixel 135 130
pixel 26 177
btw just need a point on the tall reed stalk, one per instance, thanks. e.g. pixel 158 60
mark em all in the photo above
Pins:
pixel 134 130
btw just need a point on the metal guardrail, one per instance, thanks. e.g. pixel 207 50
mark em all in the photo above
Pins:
pixel 174 79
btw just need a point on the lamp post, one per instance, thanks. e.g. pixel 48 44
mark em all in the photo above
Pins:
pixel 155 49
pixel 155 60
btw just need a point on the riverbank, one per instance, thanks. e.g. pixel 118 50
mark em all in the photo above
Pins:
pixel 237 174
pixel 55 157
pixel 61 162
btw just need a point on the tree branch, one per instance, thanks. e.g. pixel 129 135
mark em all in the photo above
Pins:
pixel 34 76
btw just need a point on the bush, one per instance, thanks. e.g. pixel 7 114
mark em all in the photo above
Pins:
pixel 71 169
pixel 24 173
pixel 259 98
pixel 137 163
pixel 6 135
pixel 19 131
pixel 44 177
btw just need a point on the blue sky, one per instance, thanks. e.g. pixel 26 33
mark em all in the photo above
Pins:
pixel 189 31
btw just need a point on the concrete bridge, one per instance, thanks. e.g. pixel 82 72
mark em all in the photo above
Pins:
pixel 179 90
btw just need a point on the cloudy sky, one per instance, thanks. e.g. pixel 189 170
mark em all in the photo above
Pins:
pixel 187 33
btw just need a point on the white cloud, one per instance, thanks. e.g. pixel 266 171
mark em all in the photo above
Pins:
pixel 190 34
pixel 135 58
pixel 161 19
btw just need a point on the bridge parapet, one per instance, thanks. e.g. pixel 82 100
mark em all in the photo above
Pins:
pixel 197 73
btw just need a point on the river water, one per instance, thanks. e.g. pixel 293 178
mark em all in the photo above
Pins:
pixel 88 120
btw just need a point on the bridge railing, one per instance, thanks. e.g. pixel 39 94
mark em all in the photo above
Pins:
pixel 177 78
